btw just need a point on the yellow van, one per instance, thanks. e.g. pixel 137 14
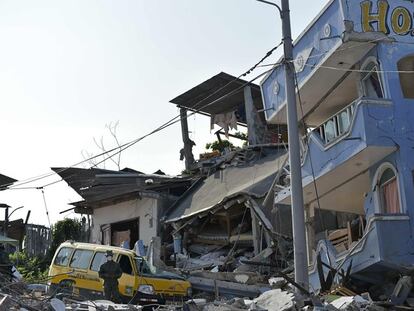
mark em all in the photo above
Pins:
pixel 76 265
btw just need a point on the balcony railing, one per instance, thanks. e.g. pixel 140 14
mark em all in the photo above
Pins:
pixel 336 126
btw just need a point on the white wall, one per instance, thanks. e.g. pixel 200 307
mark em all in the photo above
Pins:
pixel 127 211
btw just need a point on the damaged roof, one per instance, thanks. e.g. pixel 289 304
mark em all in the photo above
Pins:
pixel 99 185
pixel 6 181
pixel 215 88
pixel 254 179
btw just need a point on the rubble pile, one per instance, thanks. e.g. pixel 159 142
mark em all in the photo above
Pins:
pixel 17 295
pixel 287 300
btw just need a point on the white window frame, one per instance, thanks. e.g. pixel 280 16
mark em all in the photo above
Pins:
pixel 379 208
pixel 365 76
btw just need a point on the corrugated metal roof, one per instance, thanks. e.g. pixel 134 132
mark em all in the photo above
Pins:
pixel 202 95
pixel 95 185
pixel 6 181
pixel 6 240
pixel 254 179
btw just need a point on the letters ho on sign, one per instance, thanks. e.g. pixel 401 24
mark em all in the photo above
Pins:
pixel 384 18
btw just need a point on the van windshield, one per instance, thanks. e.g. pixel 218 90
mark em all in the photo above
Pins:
pixel 144 267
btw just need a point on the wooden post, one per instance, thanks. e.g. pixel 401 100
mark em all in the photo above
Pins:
pixel 187 151
pixel 255 231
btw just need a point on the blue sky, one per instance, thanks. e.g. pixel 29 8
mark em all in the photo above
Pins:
pixel 67 68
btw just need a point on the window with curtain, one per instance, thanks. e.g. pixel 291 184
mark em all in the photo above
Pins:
pixel 389 194
pixel 405 68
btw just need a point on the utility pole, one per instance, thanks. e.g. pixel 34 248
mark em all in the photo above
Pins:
pixel 298 211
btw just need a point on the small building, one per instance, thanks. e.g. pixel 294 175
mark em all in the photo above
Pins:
pixel 123 206
pixel 229 102
pixel 355 74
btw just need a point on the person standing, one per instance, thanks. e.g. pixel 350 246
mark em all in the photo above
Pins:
pixel 110 272
pixel 5 265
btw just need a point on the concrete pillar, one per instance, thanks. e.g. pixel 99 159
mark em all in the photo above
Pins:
pixel 310 230
pixel 255 126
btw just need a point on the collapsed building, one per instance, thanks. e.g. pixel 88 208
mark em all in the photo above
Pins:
pixel 354 68
pixel 224 210
pixel 123 206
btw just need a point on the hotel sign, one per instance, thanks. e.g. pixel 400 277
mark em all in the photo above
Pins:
pixel 383 18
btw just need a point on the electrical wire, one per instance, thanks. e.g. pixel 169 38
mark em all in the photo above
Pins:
pixel 359 70
pixel 174 120
pixel 311 162
pixel 170 122
pixel 46 209
pixel 350 47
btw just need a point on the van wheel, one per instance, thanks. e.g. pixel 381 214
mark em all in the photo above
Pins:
pixel 66 287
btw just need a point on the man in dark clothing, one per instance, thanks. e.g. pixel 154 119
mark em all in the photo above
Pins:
pixel 5 265
pixel 110 272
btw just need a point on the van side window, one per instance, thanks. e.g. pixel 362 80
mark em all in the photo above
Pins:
pixel 98 260
pixel 142 266
pixel 125 264
pixel 62 258
pixel 81 259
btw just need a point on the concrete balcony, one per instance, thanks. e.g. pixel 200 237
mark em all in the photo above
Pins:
pixel 340 152
pixel 386 244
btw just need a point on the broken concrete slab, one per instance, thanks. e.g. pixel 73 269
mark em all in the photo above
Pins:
pixel 57 304
pixel 249 278
pixel 277 282
pixel 261 257
pixel 275 300
pixel 227 289
pixel 350 303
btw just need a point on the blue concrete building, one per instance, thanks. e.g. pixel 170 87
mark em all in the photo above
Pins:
pixel 355 76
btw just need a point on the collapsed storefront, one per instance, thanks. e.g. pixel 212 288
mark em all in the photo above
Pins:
pixel 220 221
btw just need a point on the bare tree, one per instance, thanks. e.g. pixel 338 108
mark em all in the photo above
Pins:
pixel 114 157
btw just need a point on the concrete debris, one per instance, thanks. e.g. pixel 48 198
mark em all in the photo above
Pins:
pixel 37 288
pixel 248 278
pixel 57 304
pixel 275 300
pixel 401 290
pixel 226 289
pixel 350 303
pixel 277 282
pixel 5 303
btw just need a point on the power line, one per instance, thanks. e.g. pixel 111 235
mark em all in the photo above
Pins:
pixel 190 114
pixel 315 187
pixel 170 122
pixel 359 70
pixel 350 47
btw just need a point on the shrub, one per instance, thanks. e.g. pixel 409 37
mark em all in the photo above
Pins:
pixel 33 269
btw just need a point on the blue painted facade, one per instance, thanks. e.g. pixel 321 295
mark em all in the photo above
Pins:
pixel 344 39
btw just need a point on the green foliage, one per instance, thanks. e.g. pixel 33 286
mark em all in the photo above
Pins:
pixel 33 269
pixel 64 230
pixel 242 136
pixel 219 145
